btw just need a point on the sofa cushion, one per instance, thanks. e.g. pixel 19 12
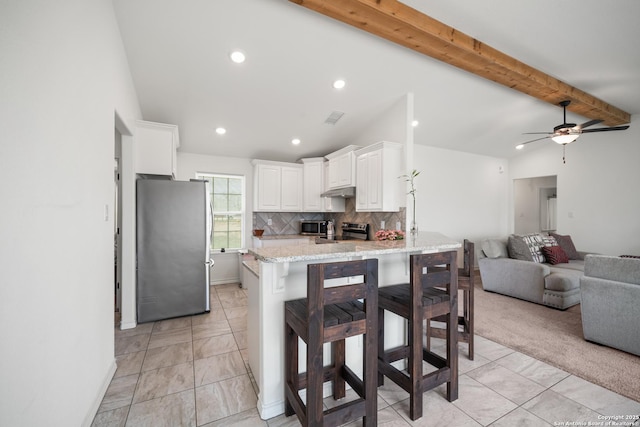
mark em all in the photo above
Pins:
pixel 573 264
pixel 494 248
pixel 554 255
pixel 566 243
pixel 562 279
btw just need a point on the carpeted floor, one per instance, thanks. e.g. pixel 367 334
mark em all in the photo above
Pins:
pixel 555 337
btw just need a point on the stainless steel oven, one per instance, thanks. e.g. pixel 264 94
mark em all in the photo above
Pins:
pixel 313 228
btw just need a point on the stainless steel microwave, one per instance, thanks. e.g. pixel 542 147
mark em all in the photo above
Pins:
pixel 313 228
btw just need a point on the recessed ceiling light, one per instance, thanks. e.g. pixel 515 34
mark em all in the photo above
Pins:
pixel 237 56
pixel 415 123
pixel 339 84
pixel 295 141
pixel 519 147
pixel 221 131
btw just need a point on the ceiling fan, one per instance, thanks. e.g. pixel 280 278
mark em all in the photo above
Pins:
pixel 566 133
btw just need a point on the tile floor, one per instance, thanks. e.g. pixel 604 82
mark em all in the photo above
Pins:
pixel 193 371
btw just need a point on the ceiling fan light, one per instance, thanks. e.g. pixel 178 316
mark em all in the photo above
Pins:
pixel 564 139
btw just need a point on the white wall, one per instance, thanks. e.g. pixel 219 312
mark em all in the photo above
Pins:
pixel 598 188
pixel 461 195
pixel 64 74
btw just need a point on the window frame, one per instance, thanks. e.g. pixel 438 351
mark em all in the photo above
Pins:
pixel 209 176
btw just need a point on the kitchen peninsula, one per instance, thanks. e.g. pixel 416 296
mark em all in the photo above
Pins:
pixel 279 274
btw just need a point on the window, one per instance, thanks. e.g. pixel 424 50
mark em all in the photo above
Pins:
pixel 227 199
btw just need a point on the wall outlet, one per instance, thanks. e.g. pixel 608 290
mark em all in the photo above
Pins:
pixel 269 222
pixel 382 224
pixel 398 225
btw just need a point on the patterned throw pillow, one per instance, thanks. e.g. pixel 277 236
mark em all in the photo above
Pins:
pixel 535 242
pixel 567 245
pixel 555 255
pixel 549 241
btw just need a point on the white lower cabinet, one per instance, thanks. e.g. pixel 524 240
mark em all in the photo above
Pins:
pixel 378 183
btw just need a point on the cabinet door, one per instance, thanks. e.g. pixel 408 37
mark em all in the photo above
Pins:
pixel 333 173
pixel 268 191
pixel 374 180
pixel 362 183
pixel 345 170
pixel 341 171
pixel 331 204
pixel 291 187
pixel 155 148
pixel 313 186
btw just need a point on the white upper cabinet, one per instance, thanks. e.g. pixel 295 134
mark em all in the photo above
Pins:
pixel 342 171
pixel 313 184
pixel 331 204
pixel 155 148
pixel 378 186
pixel 277 186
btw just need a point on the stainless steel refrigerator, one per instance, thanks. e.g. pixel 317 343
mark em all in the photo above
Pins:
pixel 174 227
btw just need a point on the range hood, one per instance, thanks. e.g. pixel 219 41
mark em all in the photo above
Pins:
pixel 346 192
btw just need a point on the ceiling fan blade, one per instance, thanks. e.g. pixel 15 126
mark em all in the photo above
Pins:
pixel 589 123
pixel 606 129
pixel 538 133
pixel 534 140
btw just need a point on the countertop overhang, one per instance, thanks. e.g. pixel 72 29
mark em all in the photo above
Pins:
pixel 426 241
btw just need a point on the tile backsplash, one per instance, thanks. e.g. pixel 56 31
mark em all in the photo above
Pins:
pixel 289 222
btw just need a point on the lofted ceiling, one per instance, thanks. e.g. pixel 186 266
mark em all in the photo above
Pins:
pixel 178 52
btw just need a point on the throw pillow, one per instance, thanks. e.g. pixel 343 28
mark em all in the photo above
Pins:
pixel 518 249
pixel 549 241
pixel 567 245
pixel 554 255
pixel 535 242
pixel 494 248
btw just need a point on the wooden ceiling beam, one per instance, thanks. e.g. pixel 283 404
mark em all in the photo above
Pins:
pixel 401 24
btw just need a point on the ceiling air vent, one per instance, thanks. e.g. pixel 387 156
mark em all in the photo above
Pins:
pixel 334 117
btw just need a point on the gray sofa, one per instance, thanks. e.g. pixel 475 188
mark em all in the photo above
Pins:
pixel 556 286
pixel 610 292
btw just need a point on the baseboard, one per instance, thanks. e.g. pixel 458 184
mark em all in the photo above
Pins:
pixel 277 408
pixel 270 411
pixel 100 395
pixel 224 281
pixel 128 325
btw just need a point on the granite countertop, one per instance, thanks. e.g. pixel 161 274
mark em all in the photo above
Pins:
pixel 253 265
pixel 283 236
pixel 425 241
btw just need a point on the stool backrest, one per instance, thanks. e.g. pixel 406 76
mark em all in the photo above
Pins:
pixel 318 295
pixel 444 275
pixel 468 258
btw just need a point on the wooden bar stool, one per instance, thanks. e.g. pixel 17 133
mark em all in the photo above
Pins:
pixel 331 314
pixel 466 285
pixel 429 294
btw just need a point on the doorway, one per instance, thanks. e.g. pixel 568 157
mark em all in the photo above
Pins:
pixel 535 204
pixel 117 221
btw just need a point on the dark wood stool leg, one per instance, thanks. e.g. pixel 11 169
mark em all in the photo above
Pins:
pixel 452 349
pixel 315 372
pixel 469 301
pixel 291 365
pixel 380 343
pixel 338 350
pixel 415 360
